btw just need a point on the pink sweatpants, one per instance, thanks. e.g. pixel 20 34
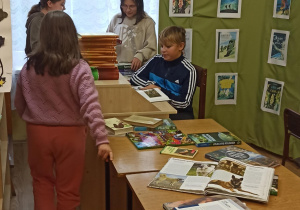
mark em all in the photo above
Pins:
pixel 56 161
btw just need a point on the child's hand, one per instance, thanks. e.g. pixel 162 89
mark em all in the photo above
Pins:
pixel 105 152
pixel 149 87
pixel 136 64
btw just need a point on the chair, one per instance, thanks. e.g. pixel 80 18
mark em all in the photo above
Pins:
pixel 291 127
pixel 201 83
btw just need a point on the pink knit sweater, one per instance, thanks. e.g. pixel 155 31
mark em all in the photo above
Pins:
pixel 67 100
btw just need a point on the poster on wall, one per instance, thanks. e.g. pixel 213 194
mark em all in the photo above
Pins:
pixel 278 47
pixel 181 8
pixel 227 41
pixel 5 46
pixel 225 88
pixel 229 8
pixel 271 99
pixel 188 44
pixel 282 9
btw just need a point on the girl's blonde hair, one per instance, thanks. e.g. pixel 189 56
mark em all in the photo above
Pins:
pixel 172 35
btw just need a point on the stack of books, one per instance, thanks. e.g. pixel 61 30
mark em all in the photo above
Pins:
pixel 100 52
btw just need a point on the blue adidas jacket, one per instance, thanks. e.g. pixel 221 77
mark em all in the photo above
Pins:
pixel 176 78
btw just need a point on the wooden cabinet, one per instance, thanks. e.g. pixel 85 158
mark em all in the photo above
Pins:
pixel 5 183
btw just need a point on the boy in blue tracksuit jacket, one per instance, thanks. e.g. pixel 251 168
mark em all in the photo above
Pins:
pixel 171 72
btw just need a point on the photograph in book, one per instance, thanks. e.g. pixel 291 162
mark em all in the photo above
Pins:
pixel 154 139
pixel 227 41
pixel 153 95
pixel 278 47
pixel 201 200
pixel 188 44
pixel 225 88
pixel 228 177
pixel 181 8
pixel 117 127
pixel 272 94
pixel 282 9
pixel 214 139
pixel 229 8
pixel 242 155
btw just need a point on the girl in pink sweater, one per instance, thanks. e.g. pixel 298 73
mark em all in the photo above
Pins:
pixel 57 98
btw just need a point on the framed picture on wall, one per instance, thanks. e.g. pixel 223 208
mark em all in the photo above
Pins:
pixel 282 9
pixel 278 47
pixel 225 88
pixel 188 44
pixel 229 8
pixel 227 42
pixel 181 8
pixel 271 99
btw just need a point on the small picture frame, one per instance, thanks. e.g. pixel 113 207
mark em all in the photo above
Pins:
pixel 282 9
pixel 272 95
pixel 188 44
pixel 181 8
pixel 227 42
pixel 278 47
pixel 229 8
pixel 225 88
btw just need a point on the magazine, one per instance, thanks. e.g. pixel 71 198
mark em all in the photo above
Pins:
pixel 228 177
pixel 201 200
pixel 154 139
pixel 153 95
pixel 214 139
pixel 243 156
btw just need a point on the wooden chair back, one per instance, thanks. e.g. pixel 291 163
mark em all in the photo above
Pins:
pixel 201 83
pixel 291 127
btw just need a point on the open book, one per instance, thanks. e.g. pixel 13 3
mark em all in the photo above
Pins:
pixel 153 95
pixel 228 177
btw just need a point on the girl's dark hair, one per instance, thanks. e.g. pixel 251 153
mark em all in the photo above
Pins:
pixel 58 50
pixel 41 5
pixel 140 11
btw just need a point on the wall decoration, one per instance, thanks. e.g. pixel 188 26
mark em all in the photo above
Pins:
pixel 5 47
pixel 188 44
pixel 229 8
pixel 282 9
pixel 271 99
pixel 181 8
pixel 225 88
pixel 278 47
pixel 227 41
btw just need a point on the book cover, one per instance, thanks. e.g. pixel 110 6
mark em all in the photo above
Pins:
pixel 274 187
pixel 227 41
pixel 179 151
pixel 116 126
pixel 143 121
pixel 282 9
pixel 154 139
pixel 228 177
pixel 214 139
pixel 226 88
pixel 201 200
pixel 153 95
pixel 243 156
pixel 167 124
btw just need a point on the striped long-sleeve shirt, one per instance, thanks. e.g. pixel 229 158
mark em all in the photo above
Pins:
pixel 176 78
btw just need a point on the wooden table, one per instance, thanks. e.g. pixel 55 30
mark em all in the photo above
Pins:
pixel 150 198
pixel 129 160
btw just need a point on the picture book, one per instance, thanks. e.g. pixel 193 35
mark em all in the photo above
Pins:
pixel 202 200
pixel 282 9
pixel 214 139
pixel 243 156
pixel 274 187
pixel 117 127
pixel 226 88
pixel 227 41
pixel 179 151
pixel 167 124
pixel 228 177
pixel 153 95
pixel 271 99
pixel 229 8
pixel 150 122
pixel 154 139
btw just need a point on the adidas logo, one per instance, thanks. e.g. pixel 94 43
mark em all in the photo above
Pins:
pixel 177 81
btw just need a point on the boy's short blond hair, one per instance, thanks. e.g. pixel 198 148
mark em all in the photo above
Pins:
pixel 172 35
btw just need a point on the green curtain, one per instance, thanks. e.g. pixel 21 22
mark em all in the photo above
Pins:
pixel 246 119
